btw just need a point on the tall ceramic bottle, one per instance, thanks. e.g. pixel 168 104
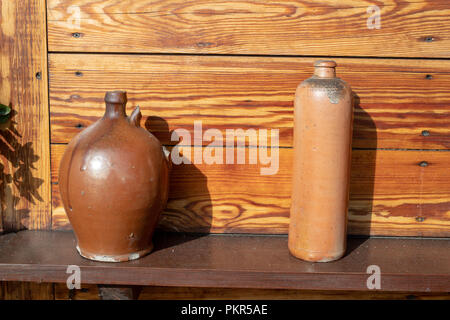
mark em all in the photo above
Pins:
pixel 113 181
pixel 323 120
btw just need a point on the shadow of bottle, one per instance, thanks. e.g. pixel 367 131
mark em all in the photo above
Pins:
pixel 362 176
pixel 189 207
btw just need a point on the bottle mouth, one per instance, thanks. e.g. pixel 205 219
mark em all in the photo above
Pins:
pixel 325 69
pixel 116 97
pixel 325 64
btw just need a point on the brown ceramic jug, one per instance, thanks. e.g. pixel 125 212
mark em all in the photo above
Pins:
pixel 113 180
pixel 323 117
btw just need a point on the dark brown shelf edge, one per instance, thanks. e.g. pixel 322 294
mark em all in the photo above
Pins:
pixel 227 279
pixel 227 261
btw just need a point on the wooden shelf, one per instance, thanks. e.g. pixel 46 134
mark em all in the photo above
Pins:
pixel 234 261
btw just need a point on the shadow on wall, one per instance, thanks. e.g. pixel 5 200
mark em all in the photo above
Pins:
pixel 362 174
pixel 16 177
pixel 189 207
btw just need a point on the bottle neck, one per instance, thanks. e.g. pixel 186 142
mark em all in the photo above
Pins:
pixel 115 110
pixel 325 72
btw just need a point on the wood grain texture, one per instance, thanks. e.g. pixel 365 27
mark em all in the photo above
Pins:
pixel 24 145
pixel 14 290
pixel 90 292
pixel 409 28
pixel 391 194
pixel 396 101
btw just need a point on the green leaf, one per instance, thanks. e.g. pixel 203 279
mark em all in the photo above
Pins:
pixel 5 113
pixel 4 110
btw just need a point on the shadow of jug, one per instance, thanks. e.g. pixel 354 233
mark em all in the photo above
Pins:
pixel 189 207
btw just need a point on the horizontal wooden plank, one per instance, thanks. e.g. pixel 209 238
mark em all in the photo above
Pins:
pixel 391 194
pixel 15 290
pixel 408 28
pixel 224 261
pixel 396 100
pixel 90 292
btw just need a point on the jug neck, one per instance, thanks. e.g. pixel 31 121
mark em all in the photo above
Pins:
pixel 325 69
pixel 116 102
pixel 115 110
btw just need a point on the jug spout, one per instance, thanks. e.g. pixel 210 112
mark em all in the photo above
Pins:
pixel 135 117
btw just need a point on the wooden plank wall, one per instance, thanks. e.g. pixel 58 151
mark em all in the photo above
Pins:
pixel 231 64
pixel 24 146
pixel 236 64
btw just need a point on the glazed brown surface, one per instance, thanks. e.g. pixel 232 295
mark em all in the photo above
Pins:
pixel 321 166
pixel 113 180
